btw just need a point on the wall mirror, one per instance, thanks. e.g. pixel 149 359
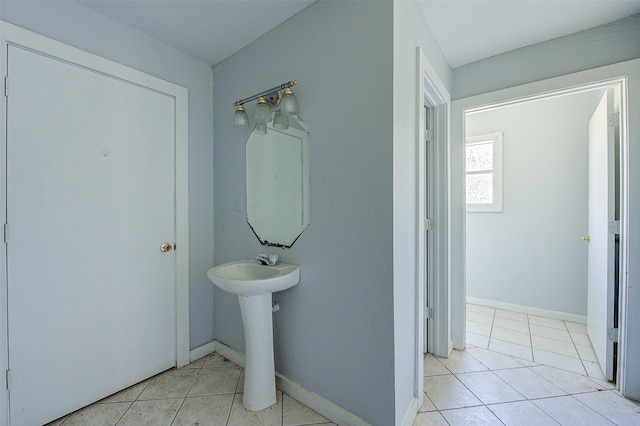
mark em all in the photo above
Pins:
pixel 278 182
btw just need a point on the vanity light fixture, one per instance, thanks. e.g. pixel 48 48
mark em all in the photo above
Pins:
pixel 281 95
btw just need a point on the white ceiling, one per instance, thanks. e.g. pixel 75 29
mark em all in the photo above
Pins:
pixel 470 30
pixel 466 30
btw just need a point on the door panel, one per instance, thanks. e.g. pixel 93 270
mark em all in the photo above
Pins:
pixel 600 305
pixel 90 198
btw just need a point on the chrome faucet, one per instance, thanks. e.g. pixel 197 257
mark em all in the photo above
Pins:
pixel 271 260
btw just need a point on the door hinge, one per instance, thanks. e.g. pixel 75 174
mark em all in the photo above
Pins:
pixel 614 119
pixel 612 334
pixel 428 135
pixel 6 86
pixel 428 224
pixel 6 233
pixel 8 379
pixel 614 227
pixel 428 313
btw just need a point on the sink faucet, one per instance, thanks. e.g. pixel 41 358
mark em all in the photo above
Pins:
pixel 271 260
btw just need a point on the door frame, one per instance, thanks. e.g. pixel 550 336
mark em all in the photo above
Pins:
pixel 17 36
pixel 620 73
pixel 431 92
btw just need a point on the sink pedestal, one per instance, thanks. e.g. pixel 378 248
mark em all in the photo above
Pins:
pixel 259 374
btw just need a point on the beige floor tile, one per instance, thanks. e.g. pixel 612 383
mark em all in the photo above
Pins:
pixel 198 363
pixel 529 384
pixel 547 322
pixel 550 332
pixel 479 328
pixel 515 316
pixel 240 387
pixel 593 370
pixel 217 360
pixel 427 405
pixel 511 349
pixel 507 335
pixel 295 413
pixel 204 410
pixel 555 346
pixel 462 362
pixel 432 418
pixel 130 394
pixel 489 388
pixel 567 381
pixel 215 381
pixel 580 339
pixel 433 366
pixel 151 413
pixel 569 411
pixel 587 353
pixel 240 416
pixel 98 414
pixel 522 413
pixel 576 327
pixel 480 309
pixel 510 324
pixel 612 406
pixel 471 416
pixel 494 360
pixel 477 340
pixel 479 317
pixel 170 384
pixel 448 392
pixel 559 361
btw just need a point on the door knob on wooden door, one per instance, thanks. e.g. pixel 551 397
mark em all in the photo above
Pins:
pixel 585 239
pixel 165 247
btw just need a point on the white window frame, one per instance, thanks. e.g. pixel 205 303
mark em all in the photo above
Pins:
pixel 496 142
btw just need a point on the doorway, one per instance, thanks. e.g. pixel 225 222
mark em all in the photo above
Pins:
pixel 530 252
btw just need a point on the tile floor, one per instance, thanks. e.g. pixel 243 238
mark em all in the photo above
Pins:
pixel 517 370
pixel 205 392
pixel 521 370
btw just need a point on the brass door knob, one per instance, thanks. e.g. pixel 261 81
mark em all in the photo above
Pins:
pixel 585 239
pixel 165 247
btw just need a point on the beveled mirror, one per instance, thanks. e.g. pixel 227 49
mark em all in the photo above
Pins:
pixel 278 182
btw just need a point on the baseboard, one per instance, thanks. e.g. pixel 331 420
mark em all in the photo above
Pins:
pixel 564 316
pixel 202 350
pixel 322 406
pixel 411 413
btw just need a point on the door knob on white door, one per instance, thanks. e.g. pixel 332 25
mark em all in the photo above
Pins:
pixel 165 247
pixel 585 239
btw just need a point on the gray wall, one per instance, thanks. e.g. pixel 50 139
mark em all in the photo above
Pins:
pixel 530 254
pixel 607 44
pixel 78 26
pixel 334 331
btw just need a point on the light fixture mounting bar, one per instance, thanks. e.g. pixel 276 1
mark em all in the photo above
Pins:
pixel 266 92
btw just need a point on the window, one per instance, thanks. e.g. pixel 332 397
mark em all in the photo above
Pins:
pixel 484 173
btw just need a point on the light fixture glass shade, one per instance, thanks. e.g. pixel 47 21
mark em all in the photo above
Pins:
pixel 289 103
pixel 263 115
pixel 260 129
pixel 280 121
pixel 240 117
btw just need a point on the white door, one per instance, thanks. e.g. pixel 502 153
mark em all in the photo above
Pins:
pixel 601 242
pixel 90 199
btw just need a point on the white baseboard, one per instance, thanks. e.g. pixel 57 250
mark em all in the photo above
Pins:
pixel 411 413
pixel 301 394
pixel 564 316
pixel 202 350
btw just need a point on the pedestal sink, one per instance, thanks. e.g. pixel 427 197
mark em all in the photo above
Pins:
pixel 254 283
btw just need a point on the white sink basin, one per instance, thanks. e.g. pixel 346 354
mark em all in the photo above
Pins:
pixel 249 278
